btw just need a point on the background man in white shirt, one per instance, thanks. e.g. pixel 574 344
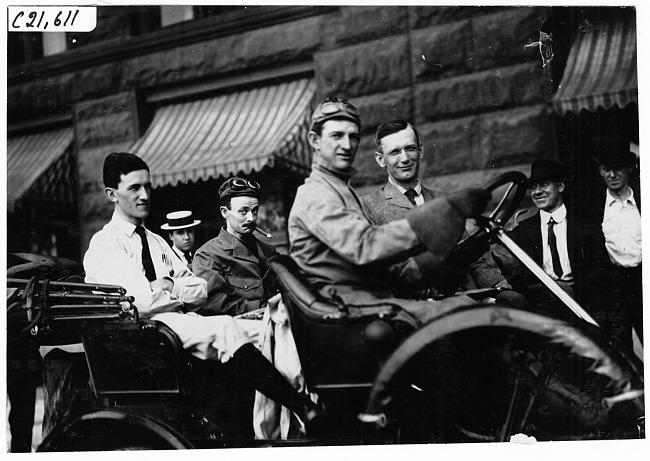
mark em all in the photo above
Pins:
pixel 621 226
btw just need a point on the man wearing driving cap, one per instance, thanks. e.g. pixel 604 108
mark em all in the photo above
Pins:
pixel 620 211
pixel 234 262
pixel 339 249
pixel 180 225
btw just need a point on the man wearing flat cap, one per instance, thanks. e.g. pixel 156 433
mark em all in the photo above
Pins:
pixel 234 262
pixel 180 225
pixel 621 231
pixel 338 248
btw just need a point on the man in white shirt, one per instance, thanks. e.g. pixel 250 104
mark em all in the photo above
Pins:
pixel 621 227
pixel 180 225
pixel 125 253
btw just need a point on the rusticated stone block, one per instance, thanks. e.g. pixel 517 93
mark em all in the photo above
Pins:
pixel 499 38
pixel 366 68
pixel 442 51
pixel 449 146
pixel 382 107
pixel 354 24
pixel 471 178
pixel 368 172
pixel 41 98
pixel 105 121
pixel 515 136
pixel 425 16
pixel 275 44
pixel 512 86
pixel 485 91
pixel 444 98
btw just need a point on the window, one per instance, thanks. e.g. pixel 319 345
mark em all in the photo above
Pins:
pixel 54 43
pixel 173 14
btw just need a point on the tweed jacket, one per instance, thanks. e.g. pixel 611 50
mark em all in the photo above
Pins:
pixel 333 242
pixel 238 280
pixel 389 204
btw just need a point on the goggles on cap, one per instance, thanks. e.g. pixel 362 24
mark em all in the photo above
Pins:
pixel 239 184
pixel 333 107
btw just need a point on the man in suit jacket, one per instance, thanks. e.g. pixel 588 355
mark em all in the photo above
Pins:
pixel 553 238
pixel 235 263
pixel 399 151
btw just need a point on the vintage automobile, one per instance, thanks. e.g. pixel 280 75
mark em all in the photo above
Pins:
pixel 476 374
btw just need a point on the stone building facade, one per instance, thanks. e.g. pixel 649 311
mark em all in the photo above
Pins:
pixel 463 75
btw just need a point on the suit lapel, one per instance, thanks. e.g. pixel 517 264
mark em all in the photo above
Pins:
pixel 428 194
pixel 232 245
pixel 534 238
pixel 395 198
pixel 572 235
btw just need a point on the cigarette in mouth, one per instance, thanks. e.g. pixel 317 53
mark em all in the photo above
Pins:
pixel 263 232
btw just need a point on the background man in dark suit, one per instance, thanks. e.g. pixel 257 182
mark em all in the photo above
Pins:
pixel 551 237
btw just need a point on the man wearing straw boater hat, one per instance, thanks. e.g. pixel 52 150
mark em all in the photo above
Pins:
pixel 234 262
pixel 180 225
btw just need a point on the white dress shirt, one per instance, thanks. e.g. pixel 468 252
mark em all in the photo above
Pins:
pixel 114 257
pixel 560 231
pixel 419 198
pixel 622 230
pixel 180 255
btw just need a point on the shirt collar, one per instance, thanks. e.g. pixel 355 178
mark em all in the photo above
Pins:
pixel 610 198
pixel 417 188
pixel 321 165
pixel 558 215
pixel 122 224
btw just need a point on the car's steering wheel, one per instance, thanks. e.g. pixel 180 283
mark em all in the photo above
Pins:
pixel 508 204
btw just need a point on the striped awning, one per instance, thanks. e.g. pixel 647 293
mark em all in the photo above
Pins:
pixel 229 134
pixel 601 69
pixel 29 156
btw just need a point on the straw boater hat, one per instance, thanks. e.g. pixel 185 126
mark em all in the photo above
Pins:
pixel 180 220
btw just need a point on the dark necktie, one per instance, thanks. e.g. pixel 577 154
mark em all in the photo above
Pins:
pixel 188 257
pixel 552 243
pixel 410 194
pixel 147 262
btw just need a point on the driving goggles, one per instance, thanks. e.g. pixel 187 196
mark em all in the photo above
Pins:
pixel 333 107
pixel 239 184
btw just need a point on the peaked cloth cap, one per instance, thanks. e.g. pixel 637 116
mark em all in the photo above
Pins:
pixel 238 187
pixel 180 220
pixel 545 170
pixel 334 107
